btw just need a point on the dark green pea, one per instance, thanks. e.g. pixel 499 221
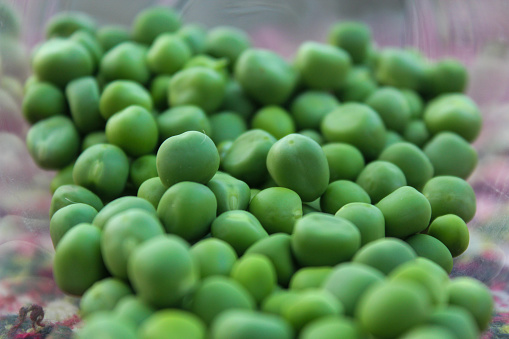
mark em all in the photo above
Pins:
pixel 450 154
pixel 277 248
pixel 126 61
pixel 153 21
pixel 353 37
pixel 94 138
pixel 143 169
pixel 226 126
pixel 111 36
pixel 257 274
pixel 358 125
pixel 392 138
pixel 246 159
pixel 415 103
pixel 121 205
pixel 190 156
pixel 78 263
pixel 43 100
pixel 416 132
pixel 231 193
pixel 333 327
pixel 400 68
pixel 194 36
pixel 309 278
pixel 123 233
pixel 457 320
pixel 380 178
pixel 320 239
pixel 159 91
pixel 66 23
pixel 167 54
pixel 223 148
pixel 342 192
pixel 299 163
pixel 200 86
pixel 450 195
pixel 309 108
pixel 274 120
pixel 392 308
pixel 121 94
pixel 91 44
pixel 54 142
pixel 428 331
pixel 162 271
pixel 172 323
pixel 278 301
pixel 312 134
pixel 392 106
pixel 455 113
pixel 103 296
pixel 63 177
pixel 67 217
pixel 358 85
pixel 429 247
pixel 107 325
pixel 181 119
pixel 345 161
pixel 452 231
pixel 72 194
pixel 235 100
pixel 131 308
pixel 83 96
pixel 152 190
pixel 367 218
pixel 265 76
pixel 385 254
pixel 214 257
pixel 446 76
pixel 227 42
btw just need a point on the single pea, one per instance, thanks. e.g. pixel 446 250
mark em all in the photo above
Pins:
pixel 392 106
pixel 358 85
pixel 276 302
pixel 400 68
pixel 310 278
pixel 428 331
pixel 152 190
pixel 246 159
pixel 90 43
pixel 450 195
pixel 265 76
pixel 277 247
pixel 203 60
pixel 392 138
pixel 194 36
pixel 60 61
pixel 333 327
pixel 380 178
pixel 450 154
pixel 66 23
pixel 214 257
pixel 190 156
pixel 43 100
pixel 429 247
pixel 94 138
pixel 215 295
pixel 103 296
pixel 78 263
pixel 345 161
pixel 63 177
pixel 72 194
pixel 231 193
pixel 180 119
pixel 126 61
pixel 415 103
pixel 433 269
pixel 54 142
pixel 103 169
pixel 107 325
pixel 239 324
pixel 159 91
pixel 227 42
pixel 223 148
pixel 313 135
pixel 342 192
pixel 122 234
pixel 226 125
pixel 111 35
pixel 132 309
pixel 298 163
pixel 83 96
pixel 172 324
pixel 446 76
pixel 457 320
pixel 67 217
pixel 416 132
pixel 385 254
pixel 368 219
pixel 257 274
pixel 236 100
pixel 121 94
pixel 120 205
pixel 452 231
pixel 455 113
pixel 320 239
pixel 310 107
pixel 275 120
pixel 238 228
pixel 358 125
pixel 200 86
pixel 153 21
pixel 167 54
pixel 353 37
pixel 162 271
pixel 142 169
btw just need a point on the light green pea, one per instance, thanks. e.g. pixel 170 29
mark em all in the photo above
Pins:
pixel 345 161
pixel 83 96
pixel 309 108
pixel 312 134
pixel 153 21
pixel 103 296
pixel 275 120
pixel 107 325
pixel 214 257
pixel 90 43
pixel 342 192
pixel 130 308
pixel 94 138
pixel 392 106
pixel 66 23
pixel 152 190
pixel 310 278
pixel 67 217
pixel 353 37
pixel 121 94
pixel 380 178
pixel 415 103
pixel 227 42
pixel 416 132
pixel 120 205
pixel 278 301
pixel 172 324
pixel 333 327
pixel 226 126
pixel 194 36
pixel 257 274
pixel 428 331
pixel 142 169
pixel 180 119
pixel 429 247
pixel 223 148
pixel 368 219
pixel 457 320
pixel 446 76
pixel 111 35
pixel 126 61
pixel 72 194
pixel 452 231
pixel 231 193
pixel 43 100
pixel 400 68
pixel 359 84
pixel 167 54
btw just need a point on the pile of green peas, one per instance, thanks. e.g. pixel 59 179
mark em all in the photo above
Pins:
pixel 210 189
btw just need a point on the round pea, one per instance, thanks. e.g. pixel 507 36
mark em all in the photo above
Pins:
pixel 172 324
pixel 392 106
pixel 331 328
pixel 226 126
pixel 359 84
pixel 167 54
pixel 119 205
pixel 429 247
pixel 457 320
pixel 90 43
pixel 152 22
pixel 312 134
pixel 257 274
pixel 415 103
pixel 43 100
pixel 446 76
pixel 63 177
pixel 159 91
pixel 83 96
pixel 66 23
pixel 278 300
pixel 400 68
pixel 131 308
pixel 180 119
pixel 214 257
pixel 342 192
pixel 152 190
pixel 126 61
pixel 107 326
pixel 310 277
pixel 227 42
pixel 275 120
pixel 353 37
pixel 121 94
pixel 72 194
pixel 194 36
pixel 345 161
pixel 236 100
pixel 94 138
pixel 111 35
pixel 428 331
pixel 452 231
pixel 368 219
pixel 309 108
pixel 231 193
pixel 416 132
pixel 67 217
pixel 103 296
pixel 380 178
pixel 142 169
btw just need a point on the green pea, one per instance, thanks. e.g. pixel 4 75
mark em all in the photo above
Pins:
pixel 54 142
pixel 152 190
pixel 450 195
pixel 277 247
pixel 400 68
pixel 298 163
pixel 72 194
pixel 380 178
pixel 246 159
pixel 231 193
pixel 257 274
pixel 218 65
pixel 119 205
pixel 103 169
pixel 167 54
pixel 142 169
pixel 309 278
pixel 132 309
pixel 110 36
pixel 275 120
pixel 353 37
pixel 428 331
pixel 78 263
pixel 457 320
pixel 178 120
pixel 278 301
pixel 433 269
pixel 43 100
pixel 83 96
pixel 450 154
pixel 415 103
pixel 63 177
pixel 66 23
pixel 214 257
pixel 452 231
pixel 236 100
pixel 239 324
pixel 345 161
pixel 107 326
pixel 368 219
pixel 195 37
pixel 392 138
pixel 227 42
pixel 342 192
pixel 223 148
pixel 159 91
pixel 446 76
pixel 358 85
pixel 320 239
pixel 265 76
pixel 172 324
pixel 121 94
pixel 385 254
pixel 390 309
pixel 226 126
pixel 312 134
pixel 416 132
pixel 67 217
pixel 348 282
pixel 429 247
pixel 238 228
pixel 455 113
pixel 218 294
pixel 153 21
pixel 94 138
pixel 122 234
pixel 103 296
pixel 331 328
pixel 200 86
pixel 162 271
pixel 90 43
pixel 392 106
pixel 190 156
pixel 309 108
pixel 126 61
pixel 358 125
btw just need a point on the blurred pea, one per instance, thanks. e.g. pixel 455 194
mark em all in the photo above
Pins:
pixel 368 219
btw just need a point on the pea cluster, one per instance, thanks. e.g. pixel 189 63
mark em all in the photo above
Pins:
pixel 209 189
